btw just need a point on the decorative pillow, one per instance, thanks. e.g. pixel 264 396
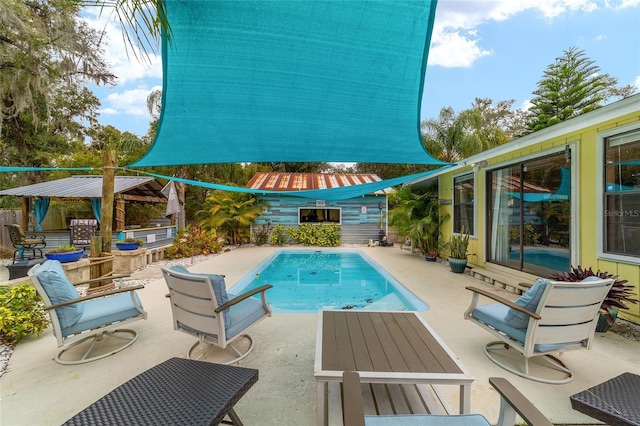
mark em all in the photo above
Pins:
pixel 55 283
pixel 529 301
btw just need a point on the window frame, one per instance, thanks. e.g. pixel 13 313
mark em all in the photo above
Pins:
pixel 601 158
pixel 301 222
pixel 471 176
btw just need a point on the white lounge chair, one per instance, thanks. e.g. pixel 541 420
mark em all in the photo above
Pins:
pixel 550 318
pixel 202 307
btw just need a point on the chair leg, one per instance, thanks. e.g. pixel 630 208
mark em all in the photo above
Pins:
pixel 209 344
pixel 128 335
pixel 553 361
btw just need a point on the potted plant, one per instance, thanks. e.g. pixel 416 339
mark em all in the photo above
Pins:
pixel 65 253
pixel 129 244
pixel 456 248
pixel 617 298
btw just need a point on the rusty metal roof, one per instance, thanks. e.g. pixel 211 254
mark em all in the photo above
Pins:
pixel 89 187
pixel 279 181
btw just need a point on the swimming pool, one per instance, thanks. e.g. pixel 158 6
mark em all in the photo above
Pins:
pixel 308 280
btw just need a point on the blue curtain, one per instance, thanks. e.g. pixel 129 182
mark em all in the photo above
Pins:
pixel 96 205
pixel 40 210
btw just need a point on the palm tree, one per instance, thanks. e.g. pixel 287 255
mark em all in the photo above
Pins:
pixel 451 137
pixel 231 214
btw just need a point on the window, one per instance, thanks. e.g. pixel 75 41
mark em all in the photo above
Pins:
pixel 463 192
pixel 622 194
pixel 318 215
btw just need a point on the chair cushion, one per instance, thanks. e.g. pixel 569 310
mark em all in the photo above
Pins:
pixel 529 301
pixel 58 288
pixel 105 310
pixel 219 288
pixel 244 314
pixel 426 419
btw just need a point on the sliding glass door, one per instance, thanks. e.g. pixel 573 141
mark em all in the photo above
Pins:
pixel 529 215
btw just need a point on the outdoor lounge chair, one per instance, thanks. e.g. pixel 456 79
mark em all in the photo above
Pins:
pixel 551 317
pixel 80 323
pixel 22 242
pixel 202 307
pixel 511 402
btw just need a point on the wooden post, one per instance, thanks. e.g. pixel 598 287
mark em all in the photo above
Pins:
pixel 24 207
pixel 120 214
pixel 108 183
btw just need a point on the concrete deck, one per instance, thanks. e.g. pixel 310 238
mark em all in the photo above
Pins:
pixel 37 391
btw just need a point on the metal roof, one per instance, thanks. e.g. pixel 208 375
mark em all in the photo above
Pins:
pixel 278 181
pixel 89 187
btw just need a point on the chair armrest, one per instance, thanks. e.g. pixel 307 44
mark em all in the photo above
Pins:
pixel 503 301
pixel 94 296
pixel 242 296
pixel 36 237
pixel 98 280
pixel 518 403
pixel 352 405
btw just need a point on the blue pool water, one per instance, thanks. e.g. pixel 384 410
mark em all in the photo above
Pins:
pixel 306 281
pixel 551 259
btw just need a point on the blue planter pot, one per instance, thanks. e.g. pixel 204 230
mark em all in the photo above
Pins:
pixel 457 265
pixel 65 257
pixel 127 246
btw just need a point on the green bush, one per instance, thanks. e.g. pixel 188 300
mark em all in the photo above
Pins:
pixel 192 241
pixel 278 235
pixel 261 233
pixel 316 235
pixel 21 312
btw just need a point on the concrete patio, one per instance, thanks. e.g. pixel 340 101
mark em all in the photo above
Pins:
pixel 37 391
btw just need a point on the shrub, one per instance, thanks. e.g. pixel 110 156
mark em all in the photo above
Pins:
pixel 261 233
pixel 278 235
pixel 192 241
pixel 21 312
pixel 64 248
pixel 316 235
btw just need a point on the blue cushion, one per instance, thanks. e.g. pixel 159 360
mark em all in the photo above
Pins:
pixel 426 419
pixel 529 301
pixel 219 288
pixel 105 310
pixel 58 288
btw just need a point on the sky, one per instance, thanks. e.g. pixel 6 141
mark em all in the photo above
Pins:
pixel 496 49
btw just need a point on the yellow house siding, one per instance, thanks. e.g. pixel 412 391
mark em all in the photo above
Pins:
pixel 583 135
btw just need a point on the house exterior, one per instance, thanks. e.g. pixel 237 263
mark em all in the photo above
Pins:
pixel 566 195
pixel 361 218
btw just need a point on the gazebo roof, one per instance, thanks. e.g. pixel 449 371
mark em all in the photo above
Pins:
pixel 133 188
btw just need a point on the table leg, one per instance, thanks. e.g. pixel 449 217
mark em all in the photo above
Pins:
pixel 235 420
pixel 465 399
pixel 322 398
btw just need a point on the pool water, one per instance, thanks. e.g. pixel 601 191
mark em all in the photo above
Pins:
pixel 309 280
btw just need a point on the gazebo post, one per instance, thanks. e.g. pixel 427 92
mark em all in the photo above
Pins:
pixel 24 207
pixel 120 213
pixel 108 178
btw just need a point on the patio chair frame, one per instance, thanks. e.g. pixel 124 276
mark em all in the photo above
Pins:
pixel 23 242
pixel 565 319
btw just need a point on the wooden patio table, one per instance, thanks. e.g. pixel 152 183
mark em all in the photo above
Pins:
pixel 384 347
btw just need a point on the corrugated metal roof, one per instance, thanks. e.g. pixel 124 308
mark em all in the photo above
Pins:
pixel 279 181
pixel 88 187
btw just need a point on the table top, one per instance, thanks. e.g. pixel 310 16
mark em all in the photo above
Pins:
pixel 177 391
pixel 614 402
pixel 390 347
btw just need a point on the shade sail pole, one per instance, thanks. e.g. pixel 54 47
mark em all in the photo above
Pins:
pixel 108 178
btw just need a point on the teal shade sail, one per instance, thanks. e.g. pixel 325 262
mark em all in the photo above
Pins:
pixel 293 81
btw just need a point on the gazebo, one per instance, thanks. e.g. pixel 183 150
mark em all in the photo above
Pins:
pixel 126 189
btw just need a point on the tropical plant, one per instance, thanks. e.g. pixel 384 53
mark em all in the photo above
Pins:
pixel 618 297
pixel 316 235
pixel 261 233
pixel 417 217
pixel 231 214
pixel 457 245
pixel 193 241
pixel 21 312
pixel 64 248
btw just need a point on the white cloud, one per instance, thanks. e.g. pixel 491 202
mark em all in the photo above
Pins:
pixel 130 102
pixel 456 39
pixel 126 62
